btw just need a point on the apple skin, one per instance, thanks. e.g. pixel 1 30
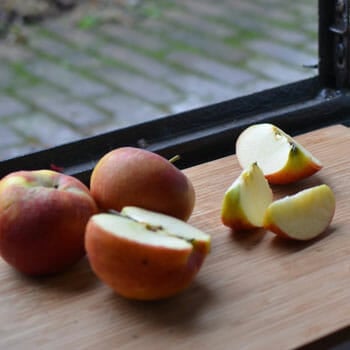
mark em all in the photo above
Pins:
pixel 130 176
pixel 265 143
pixel 246 200
pixel 43 215
pixel 235 219
pixel 139 271
pixel 298 167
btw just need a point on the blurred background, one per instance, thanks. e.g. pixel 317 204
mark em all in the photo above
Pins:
pixel 76 68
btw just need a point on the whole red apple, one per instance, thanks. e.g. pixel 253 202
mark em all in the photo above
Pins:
pixel 43 215
pixel 129 176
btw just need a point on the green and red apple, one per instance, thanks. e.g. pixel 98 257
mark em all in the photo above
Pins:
pixel 282 159
pixel 246 200
pixel 144 255
pixel 43 215
pixel 130 176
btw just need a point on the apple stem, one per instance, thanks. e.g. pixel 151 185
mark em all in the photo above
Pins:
pixel 174 159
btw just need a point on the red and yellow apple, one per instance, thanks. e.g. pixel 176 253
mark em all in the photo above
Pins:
pixel 282 159
pixel 246 200
pixel 43 215
pixel 302 216
pixel 129 176
pixel 144 255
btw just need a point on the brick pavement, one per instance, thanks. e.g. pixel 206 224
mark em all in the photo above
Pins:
pixel 95 69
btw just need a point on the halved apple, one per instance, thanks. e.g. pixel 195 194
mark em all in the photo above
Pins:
pixel 302 216
pixel 144 255
pixel 246 200
pixel 282 159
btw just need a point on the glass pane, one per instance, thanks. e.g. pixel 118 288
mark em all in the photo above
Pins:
pixel 86 67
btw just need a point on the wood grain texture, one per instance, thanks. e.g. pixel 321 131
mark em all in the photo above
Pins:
pixel 255 291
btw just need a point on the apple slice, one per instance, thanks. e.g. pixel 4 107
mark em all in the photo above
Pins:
pixel 144 255
pixel 302 216
pixel 282 159
pixel 246 200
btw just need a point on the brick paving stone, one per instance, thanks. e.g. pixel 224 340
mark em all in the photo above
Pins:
pixel 49 46
pixel 128 110
pixel 40 93
pixel 82 60
pixel 75 36
pixel 79 114
pixel 190 102
pixel 17 150
pixel 193 40
pixel 14 53
pixel 69 109
pixel 258 86
pixel 137 60
pixel 11 77
pixel 218 50
pixel 273 33
pixel 135 37
pixel 278 72
pixel 193 22
pixel 288 36
pixel 223 16
pixel 60 50
pixel 6 75
pixel 143 87
pixel 205 8
pixel 209 91
pixel 251 11
pixel 307 9
pixel 311 29
pixel 252 7
pixel 74 82
pixel 262 11
pixel 8 137
pixel 211 67
pixel 10 106
pixel 278 51
pixel 282 15
pixel 55 133
pixel 73 111
pixel 312 48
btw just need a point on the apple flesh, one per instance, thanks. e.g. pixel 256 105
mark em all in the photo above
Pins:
pixel 130 176
pixel 144 255
pixel 282 159
pixel 246 200
pixel 43 215
pixel 302 216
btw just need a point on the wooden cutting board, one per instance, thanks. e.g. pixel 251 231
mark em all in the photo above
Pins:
pixel 255 291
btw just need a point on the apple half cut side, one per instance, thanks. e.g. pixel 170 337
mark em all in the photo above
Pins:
pixel 246 200
pixel 302 216
pixel 281 158
pixel 144 255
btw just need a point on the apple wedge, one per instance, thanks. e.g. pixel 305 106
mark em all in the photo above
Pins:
pixel 246 200
pixel 144 255
pixel 302 216
pixel 281 158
